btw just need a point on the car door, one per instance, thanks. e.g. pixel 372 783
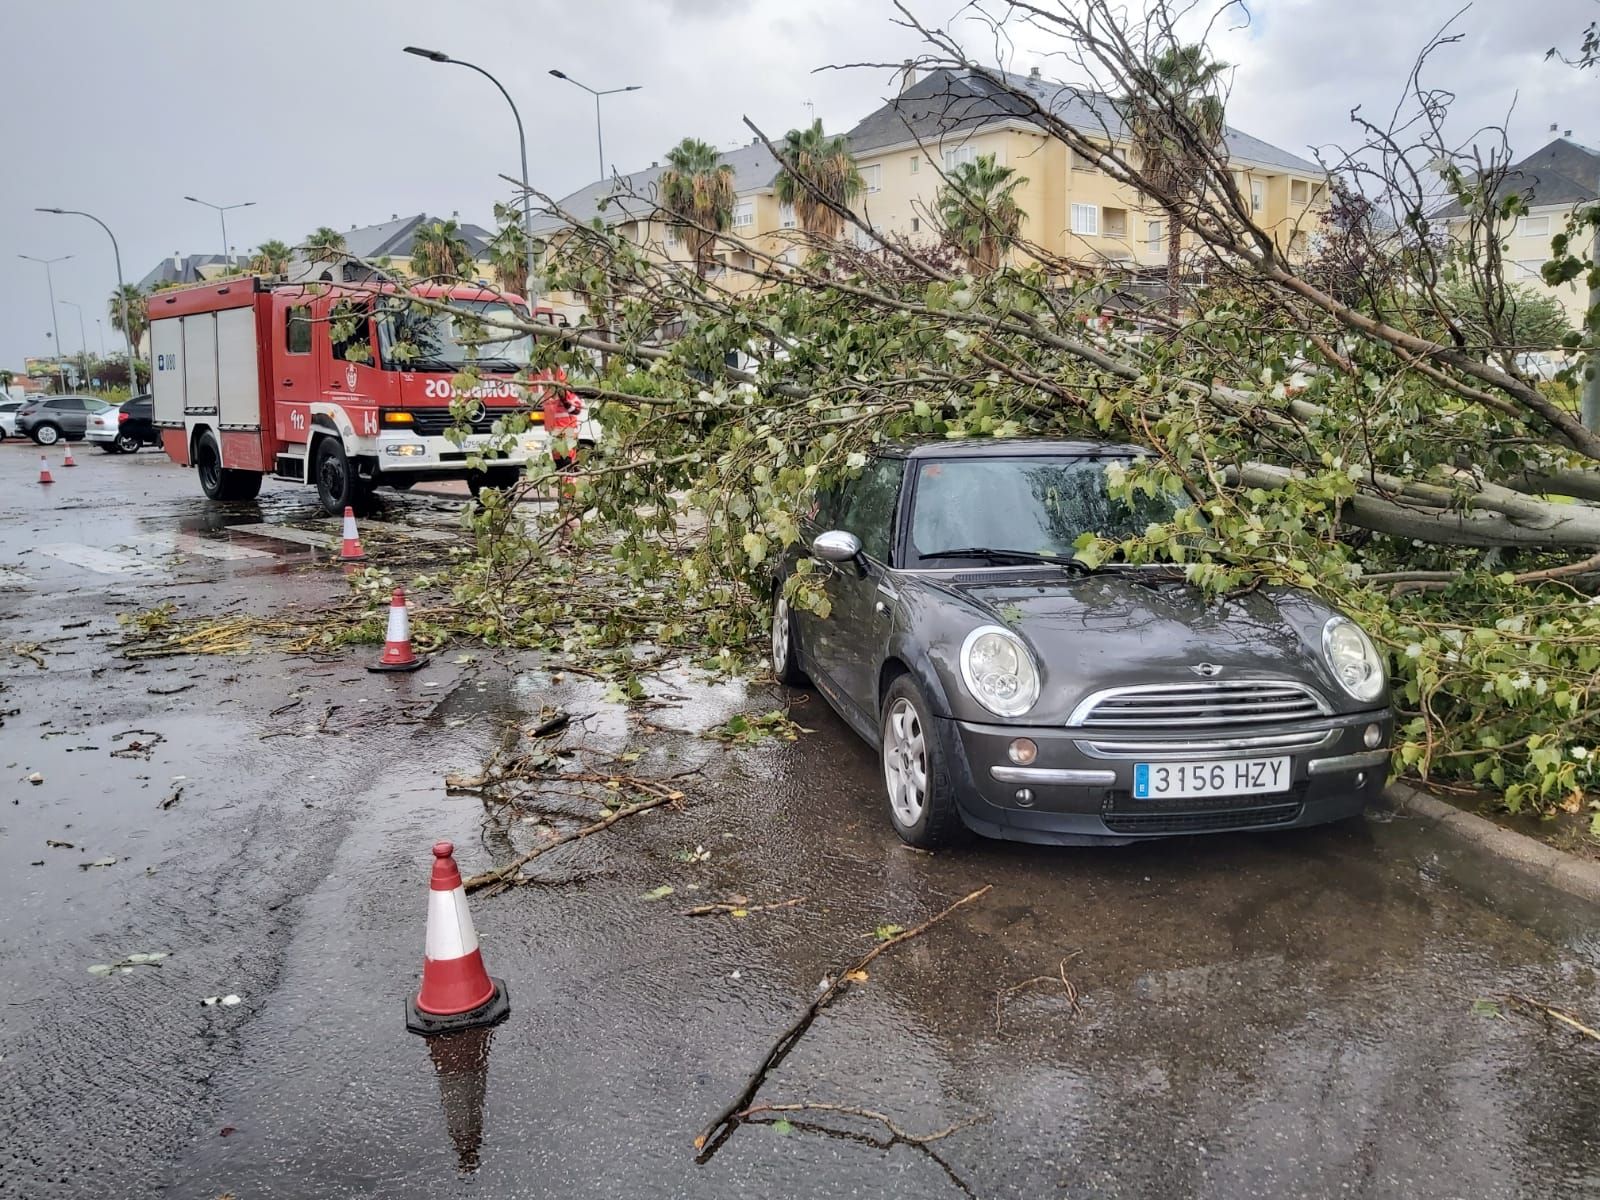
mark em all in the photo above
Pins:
pixel 70 415
pixel 858 631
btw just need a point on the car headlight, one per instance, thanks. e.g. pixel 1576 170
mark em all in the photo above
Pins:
pixel 1353 658
pixel 999 671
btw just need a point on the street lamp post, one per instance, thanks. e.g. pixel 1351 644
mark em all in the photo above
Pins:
pixel 83 336
pixel 100 332
pixel 61 376
pixel 599 139
pixel 122 291
pixel 439 56
pixel 222 215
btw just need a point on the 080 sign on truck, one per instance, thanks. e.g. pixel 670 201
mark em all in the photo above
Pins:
pixel 254 379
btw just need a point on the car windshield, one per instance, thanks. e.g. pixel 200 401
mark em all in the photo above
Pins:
pixel 414 339
pixel 1029 506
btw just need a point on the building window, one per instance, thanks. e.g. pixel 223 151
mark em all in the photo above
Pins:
pixel 1152 236
pixel 872 177
pixel 1258 195
pixel 1533 227
pixel 674 236
pixel 1298 190
pixel 916 224
pixel 1082 162
pixel 1086 219
pixel 957 155
pixel 916 163
pixel 786 216
pixel 744 214
pixel 297 330
pixel 1115 222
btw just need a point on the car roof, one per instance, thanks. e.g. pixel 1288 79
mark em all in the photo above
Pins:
pixel 1011 448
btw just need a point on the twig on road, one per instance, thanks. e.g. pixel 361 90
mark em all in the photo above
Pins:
pixel 726 1120
pixel 1005 994
pixel 1539 1008
pixel 736 907
pixel 866 1114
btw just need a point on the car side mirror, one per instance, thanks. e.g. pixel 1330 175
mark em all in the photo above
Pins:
pixel 839 546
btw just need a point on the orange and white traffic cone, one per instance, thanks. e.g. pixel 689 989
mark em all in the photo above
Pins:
pixel 397 652
pixel 44 470
pixel 456 991
pixel 351 551
pixel 67 462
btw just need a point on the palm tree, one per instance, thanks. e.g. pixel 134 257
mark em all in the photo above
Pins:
pixel 271 258
pixel 827 166
pixel 978 208
pixel 324 244
pixel 440 250
pixel 508 251
pixel 697 197
pixel 128 313
pixel 1180 90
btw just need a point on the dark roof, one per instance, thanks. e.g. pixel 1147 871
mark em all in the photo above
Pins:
pixel 1563 172
pixel 615 199
pixel 946 102
pixel 1010 448
pixel 395 237
pixel 183 269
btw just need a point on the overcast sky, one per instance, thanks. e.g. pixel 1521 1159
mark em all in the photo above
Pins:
pixel 309 109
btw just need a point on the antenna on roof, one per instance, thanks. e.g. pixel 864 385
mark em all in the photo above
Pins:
pixel 810 108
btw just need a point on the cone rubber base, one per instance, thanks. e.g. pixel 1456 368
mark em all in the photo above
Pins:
pixel 492 1012
pixel 415 665
pixel 352 558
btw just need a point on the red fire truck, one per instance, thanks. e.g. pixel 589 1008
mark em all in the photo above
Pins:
pixel 345 387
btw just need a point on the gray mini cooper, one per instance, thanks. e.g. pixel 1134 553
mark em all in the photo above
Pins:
pixel 1013 691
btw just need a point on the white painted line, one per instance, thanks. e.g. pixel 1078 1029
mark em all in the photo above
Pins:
pixel 190 544
pixel 287 533
pixel 93 558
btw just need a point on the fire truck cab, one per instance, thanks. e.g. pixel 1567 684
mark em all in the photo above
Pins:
pixel 344 387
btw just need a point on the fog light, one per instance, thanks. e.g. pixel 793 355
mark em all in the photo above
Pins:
pixel 1022 751
pixel 1372 736
pixel 1025 797
pixel 406 450
pixel 1361 779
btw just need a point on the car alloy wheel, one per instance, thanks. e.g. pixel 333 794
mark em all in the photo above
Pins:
pixel 47 435
pixel 780 636
pixel 127 443
pixel 905 762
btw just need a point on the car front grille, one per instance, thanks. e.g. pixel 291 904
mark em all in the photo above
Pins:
pixel 1211 704
pixel 1123 814
pixel 433 422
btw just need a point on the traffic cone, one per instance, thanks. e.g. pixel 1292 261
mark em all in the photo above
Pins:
pixel 351 551
pixel 397 653
pixel 44 470
pixel 456 991
pixel 67 462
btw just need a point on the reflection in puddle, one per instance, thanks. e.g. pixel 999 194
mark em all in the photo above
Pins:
pixel 461 1060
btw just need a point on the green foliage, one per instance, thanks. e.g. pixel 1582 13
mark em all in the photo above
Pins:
pixel 822 169
pixel 742 729
pixel 438 251
pixel 324 244
pixel 271 258
pixel 978 210
pixel 128 312
pixel 697 195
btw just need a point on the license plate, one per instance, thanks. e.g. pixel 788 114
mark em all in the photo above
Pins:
pixel 1234 777
pixel 470 444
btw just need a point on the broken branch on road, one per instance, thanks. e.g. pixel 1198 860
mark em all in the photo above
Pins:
pixel 738 907
pixel 896 1133
pixel 1067 985
pixel 723 1124
pixel 1539 1010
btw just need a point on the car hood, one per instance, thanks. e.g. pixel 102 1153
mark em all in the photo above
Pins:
pixel 1121 628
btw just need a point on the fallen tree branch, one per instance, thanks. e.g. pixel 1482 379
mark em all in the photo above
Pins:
pixel 732 907
pixel 866 1114
pixel 506 876
pixel 727 1118
pixel 1005 994
pixel 1540 1009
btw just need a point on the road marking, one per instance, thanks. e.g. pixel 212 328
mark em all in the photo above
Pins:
pixel 94 558
pixel 10 577
pixel 188 543
pixel 288 533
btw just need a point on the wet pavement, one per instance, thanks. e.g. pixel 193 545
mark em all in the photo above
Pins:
pixel 1287 1015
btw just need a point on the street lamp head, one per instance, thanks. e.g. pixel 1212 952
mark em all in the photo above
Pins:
pixel 632 87
pixel 421 52
pixel 558 74
pixel 194 199
pixel 50 210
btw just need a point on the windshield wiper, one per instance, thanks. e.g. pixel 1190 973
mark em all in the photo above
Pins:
pixel 991 554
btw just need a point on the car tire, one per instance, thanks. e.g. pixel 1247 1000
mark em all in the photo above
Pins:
pixel 109 447
pixel 500 478
pixel 786 644
pixel 219 482
pixel 126 443
pixel 47 435
pixel 921 796
pixel 339 484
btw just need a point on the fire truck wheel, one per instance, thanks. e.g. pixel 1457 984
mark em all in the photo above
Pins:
pixel 501 478
pixel 338 484
pixel 217 481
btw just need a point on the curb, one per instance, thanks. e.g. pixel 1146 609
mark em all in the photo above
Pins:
pixel 1549 866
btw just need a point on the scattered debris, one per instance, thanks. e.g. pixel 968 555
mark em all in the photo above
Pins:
pixel 551 724
pixel 660 893
pixel 125 966
pixel 726 1120
pixel 99 862
pixel 36 779
pixel 57 844
pixel 741 729
pixel 30 651
pixel 866 1114
pixel 171 691
pixel 738 906
pixel 1005 994
pixel 1539 1010
pixel 138 747
pixel 172 799
pixel 227 1001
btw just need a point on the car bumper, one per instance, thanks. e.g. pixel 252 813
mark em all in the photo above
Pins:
pixel 101 435
pixel 1079 789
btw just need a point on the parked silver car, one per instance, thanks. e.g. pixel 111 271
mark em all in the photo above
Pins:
pixel 48 419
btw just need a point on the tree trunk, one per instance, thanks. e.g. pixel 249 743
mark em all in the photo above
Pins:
pixel 1174 262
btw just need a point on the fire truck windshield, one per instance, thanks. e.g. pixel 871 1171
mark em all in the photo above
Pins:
pixel 412 338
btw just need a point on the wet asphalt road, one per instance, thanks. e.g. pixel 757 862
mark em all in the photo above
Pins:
pixel 1268 1016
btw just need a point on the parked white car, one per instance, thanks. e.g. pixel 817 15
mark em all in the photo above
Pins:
pixel 8 418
